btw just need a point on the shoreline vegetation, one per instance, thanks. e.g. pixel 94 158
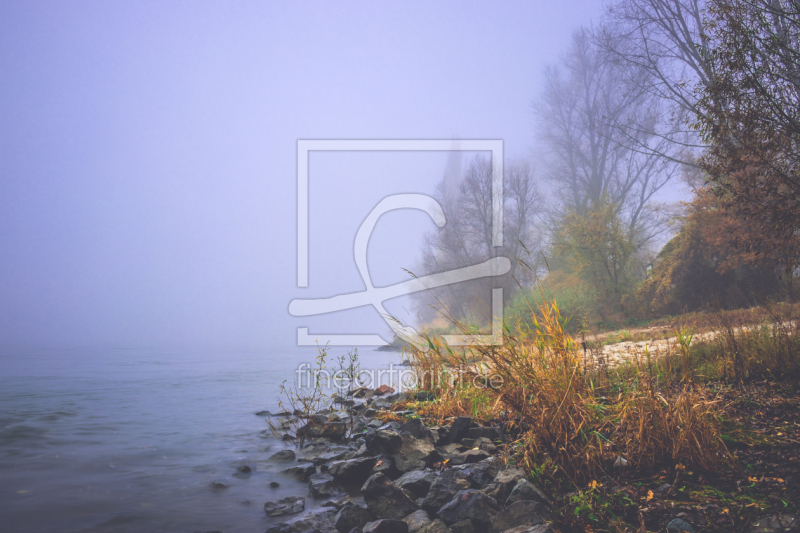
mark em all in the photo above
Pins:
pixel 526 438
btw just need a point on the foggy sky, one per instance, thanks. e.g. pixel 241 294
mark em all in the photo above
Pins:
pixel 148 150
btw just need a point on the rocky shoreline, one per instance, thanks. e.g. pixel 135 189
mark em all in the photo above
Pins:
pixel 389 477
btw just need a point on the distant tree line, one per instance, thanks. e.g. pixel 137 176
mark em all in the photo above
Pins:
pixel 707 92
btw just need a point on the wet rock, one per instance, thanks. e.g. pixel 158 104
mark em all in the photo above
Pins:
pixel 469 505
pixel 300 472
pixel 316 519
pixel 286 506
pixel 320 427
pixel 337 502
pixel 416 428
pixel 523 513
pixel 353 471
pixel 676 525
pixel 321 485
pixel 482 473
pixel 383 441
pixel 385 526
pixel 417 482
pixel 360 452
pixel 383 389
pixel 384 464
pixel 509 476
pixel 384 499
pixel 437 526
pixel 458 429
pixel 244 470
pixel 413 454
pixel 370 413
pixel 351 516
pixel 283 456
pixel 321 453
pixel 417 520
pixel 464 526
pixel 262 413
pixel 274 484
pixel 216 485
pixel 525 490
pixel 498 491
pixel 469 457
pixel 444 489
pixel 375 424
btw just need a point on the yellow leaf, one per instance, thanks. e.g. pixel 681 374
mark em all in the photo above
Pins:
pixel 649 495
pixel 680 467
pixel 753 479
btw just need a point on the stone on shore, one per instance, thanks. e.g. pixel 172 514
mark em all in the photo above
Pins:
pixel 300 472
pixel 321 453
pixel 353 471
pixel 482 473
pixel 351 516
pixel 417 520
pixel 437 526
pixel 283 456
pixel 384 499
pixel 385 526
pixel 417 482
pixel 522 513
pixel 290 505
pixel 444 489
pixel 320 520
pixel 458 429
pixel 321 485
pixel 413 454
pixel 525 490
pixel 469 505
pixel 320 427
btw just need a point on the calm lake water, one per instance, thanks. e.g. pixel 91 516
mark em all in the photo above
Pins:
pixel 120 440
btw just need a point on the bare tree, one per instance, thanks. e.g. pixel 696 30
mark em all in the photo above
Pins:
pixel 663 39
pixel 466 238
pixel 594 115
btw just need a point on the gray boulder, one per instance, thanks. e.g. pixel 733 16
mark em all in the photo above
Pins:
pixel 464 526
pixel 321 485
pixel 351 516
pixel 283 456
pixel 482 473
pixel 417 520
pixel 444 489
pixel 458 429
pixel 417 482
pixel 321 427
pixel 320 453
pixel 385 500
pixel 413 454
pixel 525 490
pixel 301 472
pixel 523 513
pixel 469 505
pixel 437 526
pixel 318 519
pixel 290 505
pixel 353 471
pixel 385 526
pixel 509 476
pixel 383 441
